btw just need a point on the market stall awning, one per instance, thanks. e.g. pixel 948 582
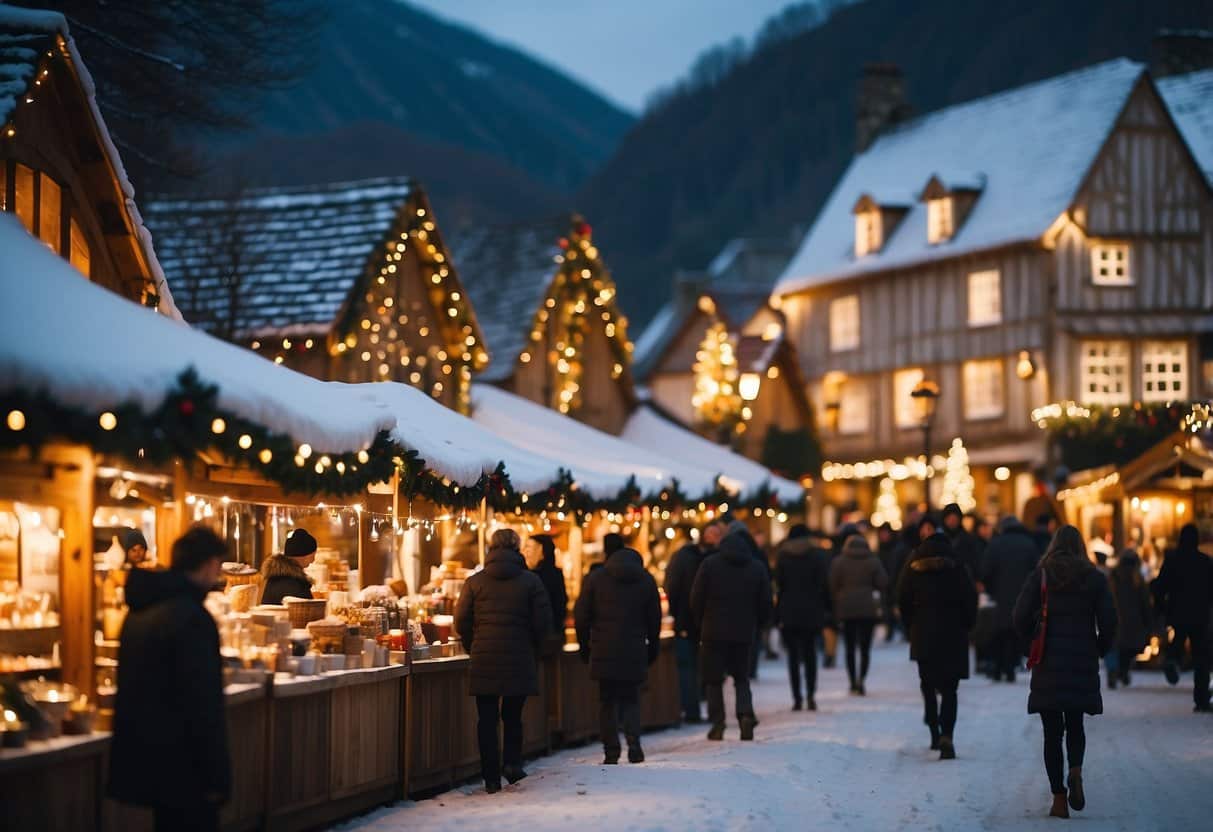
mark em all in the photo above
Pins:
pixel 652 431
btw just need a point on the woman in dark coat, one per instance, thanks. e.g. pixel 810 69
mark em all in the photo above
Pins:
pixel 1133 613
pixel 282 575
pixel 541 559
pixel 857 580
pixel 803 594
pixel 938 603
pixel 1081 627
pixel 502 617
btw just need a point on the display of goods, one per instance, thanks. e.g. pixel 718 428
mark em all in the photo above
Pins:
pixel 305 610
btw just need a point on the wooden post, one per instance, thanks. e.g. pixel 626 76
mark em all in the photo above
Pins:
pixel 483 527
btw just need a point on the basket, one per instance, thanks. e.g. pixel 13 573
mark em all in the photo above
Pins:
pixel 318 630
pixel 305 610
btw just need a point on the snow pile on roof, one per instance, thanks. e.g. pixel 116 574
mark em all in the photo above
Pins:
pixel 90 348
pixel 650 430
pixel 299 251
pixel 1033 145
pixel 1190 99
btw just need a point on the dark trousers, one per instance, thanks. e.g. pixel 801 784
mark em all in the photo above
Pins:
pixel 721 659
pixel 204 818
pixel 939 702
pixel 1058 724
pixel 1199 637
pixel 507 709
pixel 1124 663
pixel 801 647
pixel 890 622
pixel 1007 652
pixel 857 633
pixel 618 704
pixel 755 652
pixel 686 651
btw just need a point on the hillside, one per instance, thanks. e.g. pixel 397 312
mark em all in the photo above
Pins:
pixel 758 151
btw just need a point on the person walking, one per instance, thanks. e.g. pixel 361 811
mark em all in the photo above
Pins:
pixel 541 559
pixel 1070 599
pixel 964 544
pixel 802 588
pixel 730 600
pixel 736 528
pixel 893 552
pixel 1010 558
pixel 856 582
pixel 679 578
pixel 1133 611
pixel 618 618
pixel 938 603
pixel 170 748
pixel 1184 592
pixel 282 575
pixel 503 617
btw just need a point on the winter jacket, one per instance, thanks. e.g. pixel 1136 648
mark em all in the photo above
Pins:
pixel 965 551
pixel 893 556
pixel 1009 560
pixel 679 578
pixel 1183 590
pixel 1132 598
pixel 1081 629
pixel 619 619
pixel 938 604
pixel 170 744
pixel 731 596
pixel 282 576
pixel 558 597
pixel 803 586
pixel 502 617
pixel 856 581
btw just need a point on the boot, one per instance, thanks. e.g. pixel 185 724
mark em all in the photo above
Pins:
pixel 1060 809
pixel 797 705
pixel 812 704
pixel 747 727
pixel 934 737
pixel 946 750
pixel 513 774
pixel 1171 671
pixel 492 786
pixel 716 733
pixel 1078 800
pixel 635 752
pixel 610 756
pixel 861 690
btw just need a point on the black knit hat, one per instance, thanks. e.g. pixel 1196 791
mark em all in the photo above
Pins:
pixel 299 544
pixel 935 546
pixel 132 538
pixel 952 508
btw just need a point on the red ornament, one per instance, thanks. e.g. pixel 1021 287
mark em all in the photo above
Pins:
pixel 563 242
pixel 186 407
pixel 584 229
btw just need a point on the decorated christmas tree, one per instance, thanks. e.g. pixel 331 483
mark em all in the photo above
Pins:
pixel 717 401
pixel 887 508
pixel 957 481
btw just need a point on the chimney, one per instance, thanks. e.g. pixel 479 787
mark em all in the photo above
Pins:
pixel 880 102
pixel 1179 51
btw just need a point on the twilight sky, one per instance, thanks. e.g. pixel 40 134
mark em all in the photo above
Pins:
pixel 624 49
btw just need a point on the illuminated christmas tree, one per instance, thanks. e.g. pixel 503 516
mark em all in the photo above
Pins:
pixel 717 401
pixel 887 508
pixel 957 481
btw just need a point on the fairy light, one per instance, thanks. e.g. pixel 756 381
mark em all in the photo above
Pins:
pixel 15 420
pixel 108 421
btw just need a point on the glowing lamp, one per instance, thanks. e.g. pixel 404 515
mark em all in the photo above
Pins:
pixel 748 386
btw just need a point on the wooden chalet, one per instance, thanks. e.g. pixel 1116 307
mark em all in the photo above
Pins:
pixel 1046 244
pixel 346 281
pixel 60 173
pixel 547 304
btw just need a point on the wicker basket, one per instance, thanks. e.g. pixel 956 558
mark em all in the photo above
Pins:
pixel 337 632
pixel 305 610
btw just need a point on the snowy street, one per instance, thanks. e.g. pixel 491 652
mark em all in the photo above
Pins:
pixel 862 763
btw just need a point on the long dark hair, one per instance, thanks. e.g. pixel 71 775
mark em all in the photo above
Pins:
pixel 1066 559
pixel 548 546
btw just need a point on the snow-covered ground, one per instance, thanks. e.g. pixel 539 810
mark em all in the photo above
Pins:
pixel 862 763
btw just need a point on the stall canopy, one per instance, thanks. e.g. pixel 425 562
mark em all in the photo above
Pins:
pixel 650 430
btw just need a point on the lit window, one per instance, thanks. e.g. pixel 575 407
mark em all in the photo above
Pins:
pixel 985 298
pixel 50 214
pixel 1104 372
pixel 844 323
pixel 1164 371
pixel 939 219
pixel 80 257
pixel 854 407
pixel 1110 264
pixel 905 408
pixel 983 389
pixel 24 197
pixel 867 232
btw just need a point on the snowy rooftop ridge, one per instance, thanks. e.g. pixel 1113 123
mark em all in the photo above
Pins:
pixel 1190 99
pixel 1033 145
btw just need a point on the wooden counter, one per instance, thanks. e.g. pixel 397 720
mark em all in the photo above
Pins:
pixel 440 725
pixel 54 784
pixel 660 704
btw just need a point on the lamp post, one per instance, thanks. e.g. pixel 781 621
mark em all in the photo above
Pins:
pixel 925 395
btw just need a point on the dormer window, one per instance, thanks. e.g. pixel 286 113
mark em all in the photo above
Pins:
pixel 867 232
pixel 874 222
pixel 941 222
pixel 949 202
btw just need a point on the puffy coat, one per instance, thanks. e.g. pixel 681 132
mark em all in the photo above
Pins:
pixel 856 581
pixel 1009 560
pixel 283 577
pixel 619 619
pixel 170 744
pixel 938 604
pixel 502 617
pixel 558 596
pixel 1081 629
pixel 679 578
pixel 731 596
pixel 1133 613
pixel 1184 587
pixel 803 586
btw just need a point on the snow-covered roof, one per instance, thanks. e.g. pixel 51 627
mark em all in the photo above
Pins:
pixel 24 35
pixel 299 251
pixel 650 430
pixel 1031 146
pixel 1190 99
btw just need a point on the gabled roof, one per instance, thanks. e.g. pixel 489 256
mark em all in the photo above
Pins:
pixel 301 250
pixel 1033 145
pixel 1190 99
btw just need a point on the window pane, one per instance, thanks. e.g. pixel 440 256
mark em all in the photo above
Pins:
pixel 80 254
pixel 49 214
pixel 1164 371
pixel 854 407
pixel 985 298
pixel 844 323
pixel 983 389
pixel 1110 264
pixel 25 197
pixel 1104 373
pixel 905 408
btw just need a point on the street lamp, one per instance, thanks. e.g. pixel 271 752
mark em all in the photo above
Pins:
pixel 925 395
pixel 748 386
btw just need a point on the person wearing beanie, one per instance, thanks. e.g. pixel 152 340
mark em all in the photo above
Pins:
pixel 283 575
pixel 964 544
pixel 857 580
pixel 135 546
pixel 938 604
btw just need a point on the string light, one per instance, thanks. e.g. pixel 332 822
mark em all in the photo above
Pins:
pixel 16 420
pixel 108 421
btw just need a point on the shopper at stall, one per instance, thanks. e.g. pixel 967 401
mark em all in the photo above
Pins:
pixel 730 600
pixel 802 595
pixel 938 603
pixel 540 556
pixel 1079 624
pixel 857 581
pixel 282 575
pixel 170 750
pixel 503 617
pixel 618 617
pixel 1134 613
pixel 1184 592
pixel 679 578
pixel 134 544
pixel 1010 558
